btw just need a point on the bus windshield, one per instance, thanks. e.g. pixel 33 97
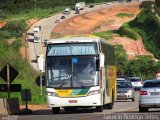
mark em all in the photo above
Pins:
pixel 70 72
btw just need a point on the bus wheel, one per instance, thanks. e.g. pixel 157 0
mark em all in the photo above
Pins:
pixel 110 105
pixel 99 108
pixel 55 110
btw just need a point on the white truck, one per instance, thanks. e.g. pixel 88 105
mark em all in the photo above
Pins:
pixel 79 6
pixel 36 37
pixel 37 29
pixel 67 11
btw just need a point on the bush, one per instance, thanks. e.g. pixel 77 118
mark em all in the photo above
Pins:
pixel 129 32
pixel 15 28
pixel 146 4
pixel 104 34
pixel 5 35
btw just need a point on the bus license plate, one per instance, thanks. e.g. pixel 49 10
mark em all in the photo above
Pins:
pixel 72 101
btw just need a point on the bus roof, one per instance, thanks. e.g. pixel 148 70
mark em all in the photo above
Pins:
pixel 74 39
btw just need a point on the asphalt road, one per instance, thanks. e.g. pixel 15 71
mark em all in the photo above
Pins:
pixel 121 106
pixel 122 110
pixel 47 25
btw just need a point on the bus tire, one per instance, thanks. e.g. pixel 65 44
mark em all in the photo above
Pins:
pixel 99 108
pixel 110 105
pixel 104 105
pixel 55 110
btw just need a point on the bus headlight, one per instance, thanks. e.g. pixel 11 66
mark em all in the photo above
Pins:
pixel 51 94
pixel 93 92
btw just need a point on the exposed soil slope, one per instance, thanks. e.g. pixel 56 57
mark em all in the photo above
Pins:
pixel 106 19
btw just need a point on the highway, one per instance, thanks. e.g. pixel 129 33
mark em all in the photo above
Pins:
pixel 47 25
pixel 122 110
pixel 121 106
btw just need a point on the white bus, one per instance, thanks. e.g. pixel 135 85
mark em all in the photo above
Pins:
pixel 80 71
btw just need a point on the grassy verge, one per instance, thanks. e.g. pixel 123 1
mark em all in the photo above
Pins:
pixel 56 35
pixel 10 44
pixel 124 15
pixel 105 34
pixel 38 13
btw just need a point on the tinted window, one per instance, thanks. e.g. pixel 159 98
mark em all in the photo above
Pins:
pixel 135 79
pixel 124 85
pixel 151 84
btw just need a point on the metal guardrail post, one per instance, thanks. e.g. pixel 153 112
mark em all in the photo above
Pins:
pixel 26 46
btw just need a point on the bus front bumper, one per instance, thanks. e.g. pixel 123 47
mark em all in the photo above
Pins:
pixel 93 100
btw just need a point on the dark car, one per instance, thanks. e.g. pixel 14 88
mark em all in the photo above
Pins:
pixel 57 21
pixel 63 17
pixel 91 6
pixel 77 12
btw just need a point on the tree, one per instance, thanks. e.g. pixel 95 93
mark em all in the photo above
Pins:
pixel 121 59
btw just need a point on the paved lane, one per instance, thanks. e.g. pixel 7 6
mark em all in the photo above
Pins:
pixel 84 114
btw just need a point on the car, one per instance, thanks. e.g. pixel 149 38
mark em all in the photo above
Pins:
pixel 149 95
pixel 125 91
pixel 77 12
pixel 63 17
pixel 124 76
pixel 57 21
pixel 91 6
pixel 136 82
pixel 121 79
pixel 108 3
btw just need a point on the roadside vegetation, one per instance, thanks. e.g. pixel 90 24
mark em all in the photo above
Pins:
pixel 105 34
pixel 16 12
pixel 10 44
pixel 147 26
pixel 124 15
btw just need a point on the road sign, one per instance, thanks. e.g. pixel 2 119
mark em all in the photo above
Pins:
pixel 13 88
pixel 158 76
pixel 12 73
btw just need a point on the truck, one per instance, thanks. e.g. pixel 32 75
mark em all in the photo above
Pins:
pixel 80 72
pixel 67 11
pixel 36 37
pixel 37 29
pixel 80 6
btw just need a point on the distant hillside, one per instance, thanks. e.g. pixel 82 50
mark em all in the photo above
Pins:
pixel 147 25
pixel 14 6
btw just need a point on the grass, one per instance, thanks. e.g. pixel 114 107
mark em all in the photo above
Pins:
pixel 96 28
pixel 38 13
pixel 105 34
pixel 56 35
pixel 124 15
pixel 10 53
pixel 26 77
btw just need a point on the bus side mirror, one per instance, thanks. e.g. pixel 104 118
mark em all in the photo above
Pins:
pixel 40 81
pixel 102 60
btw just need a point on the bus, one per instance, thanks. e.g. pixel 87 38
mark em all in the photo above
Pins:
pixel 80 72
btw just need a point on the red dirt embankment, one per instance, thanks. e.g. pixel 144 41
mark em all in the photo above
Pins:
pixel 23 49
pixel 2 24
pixel 107 19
